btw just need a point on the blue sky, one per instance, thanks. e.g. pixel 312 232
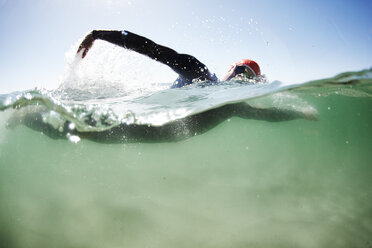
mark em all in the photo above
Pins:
pixel 293 41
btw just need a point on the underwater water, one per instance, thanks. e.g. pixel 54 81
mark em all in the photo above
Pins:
pixel 235 164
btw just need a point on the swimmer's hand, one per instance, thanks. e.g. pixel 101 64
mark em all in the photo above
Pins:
pixel 86 44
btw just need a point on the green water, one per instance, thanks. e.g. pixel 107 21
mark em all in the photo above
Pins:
pixel 243 183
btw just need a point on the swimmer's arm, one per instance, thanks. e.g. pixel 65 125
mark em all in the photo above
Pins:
pixel 127 40
pixel 114 37
pixel 185 65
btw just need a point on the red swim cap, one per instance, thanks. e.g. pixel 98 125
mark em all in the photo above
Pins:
pixel 251 64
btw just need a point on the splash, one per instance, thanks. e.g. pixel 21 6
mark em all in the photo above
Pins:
pixel 111 71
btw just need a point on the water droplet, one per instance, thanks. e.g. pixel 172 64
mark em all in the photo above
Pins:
pixel 71 126
pixel 73 138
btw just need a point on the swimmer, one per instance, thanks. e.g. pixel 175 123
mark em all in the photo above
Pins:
pixel 186 66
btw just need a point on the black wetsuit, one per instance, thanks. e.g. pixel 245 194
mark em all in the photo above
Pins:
pixel 186 66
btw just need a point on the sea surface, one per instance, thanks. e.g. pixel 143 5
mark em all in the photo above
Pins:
pixel 229 164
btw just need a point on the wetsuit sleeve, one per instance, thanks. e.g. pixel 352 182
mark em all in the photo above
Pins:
pixel 187 66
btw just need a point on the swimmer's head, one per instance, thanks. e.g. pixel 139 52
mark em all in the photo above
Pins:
pixel 251 67
pixel 246 67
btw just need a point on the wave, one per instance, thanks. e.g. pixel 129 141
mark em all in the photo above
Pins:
pixel 103 108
